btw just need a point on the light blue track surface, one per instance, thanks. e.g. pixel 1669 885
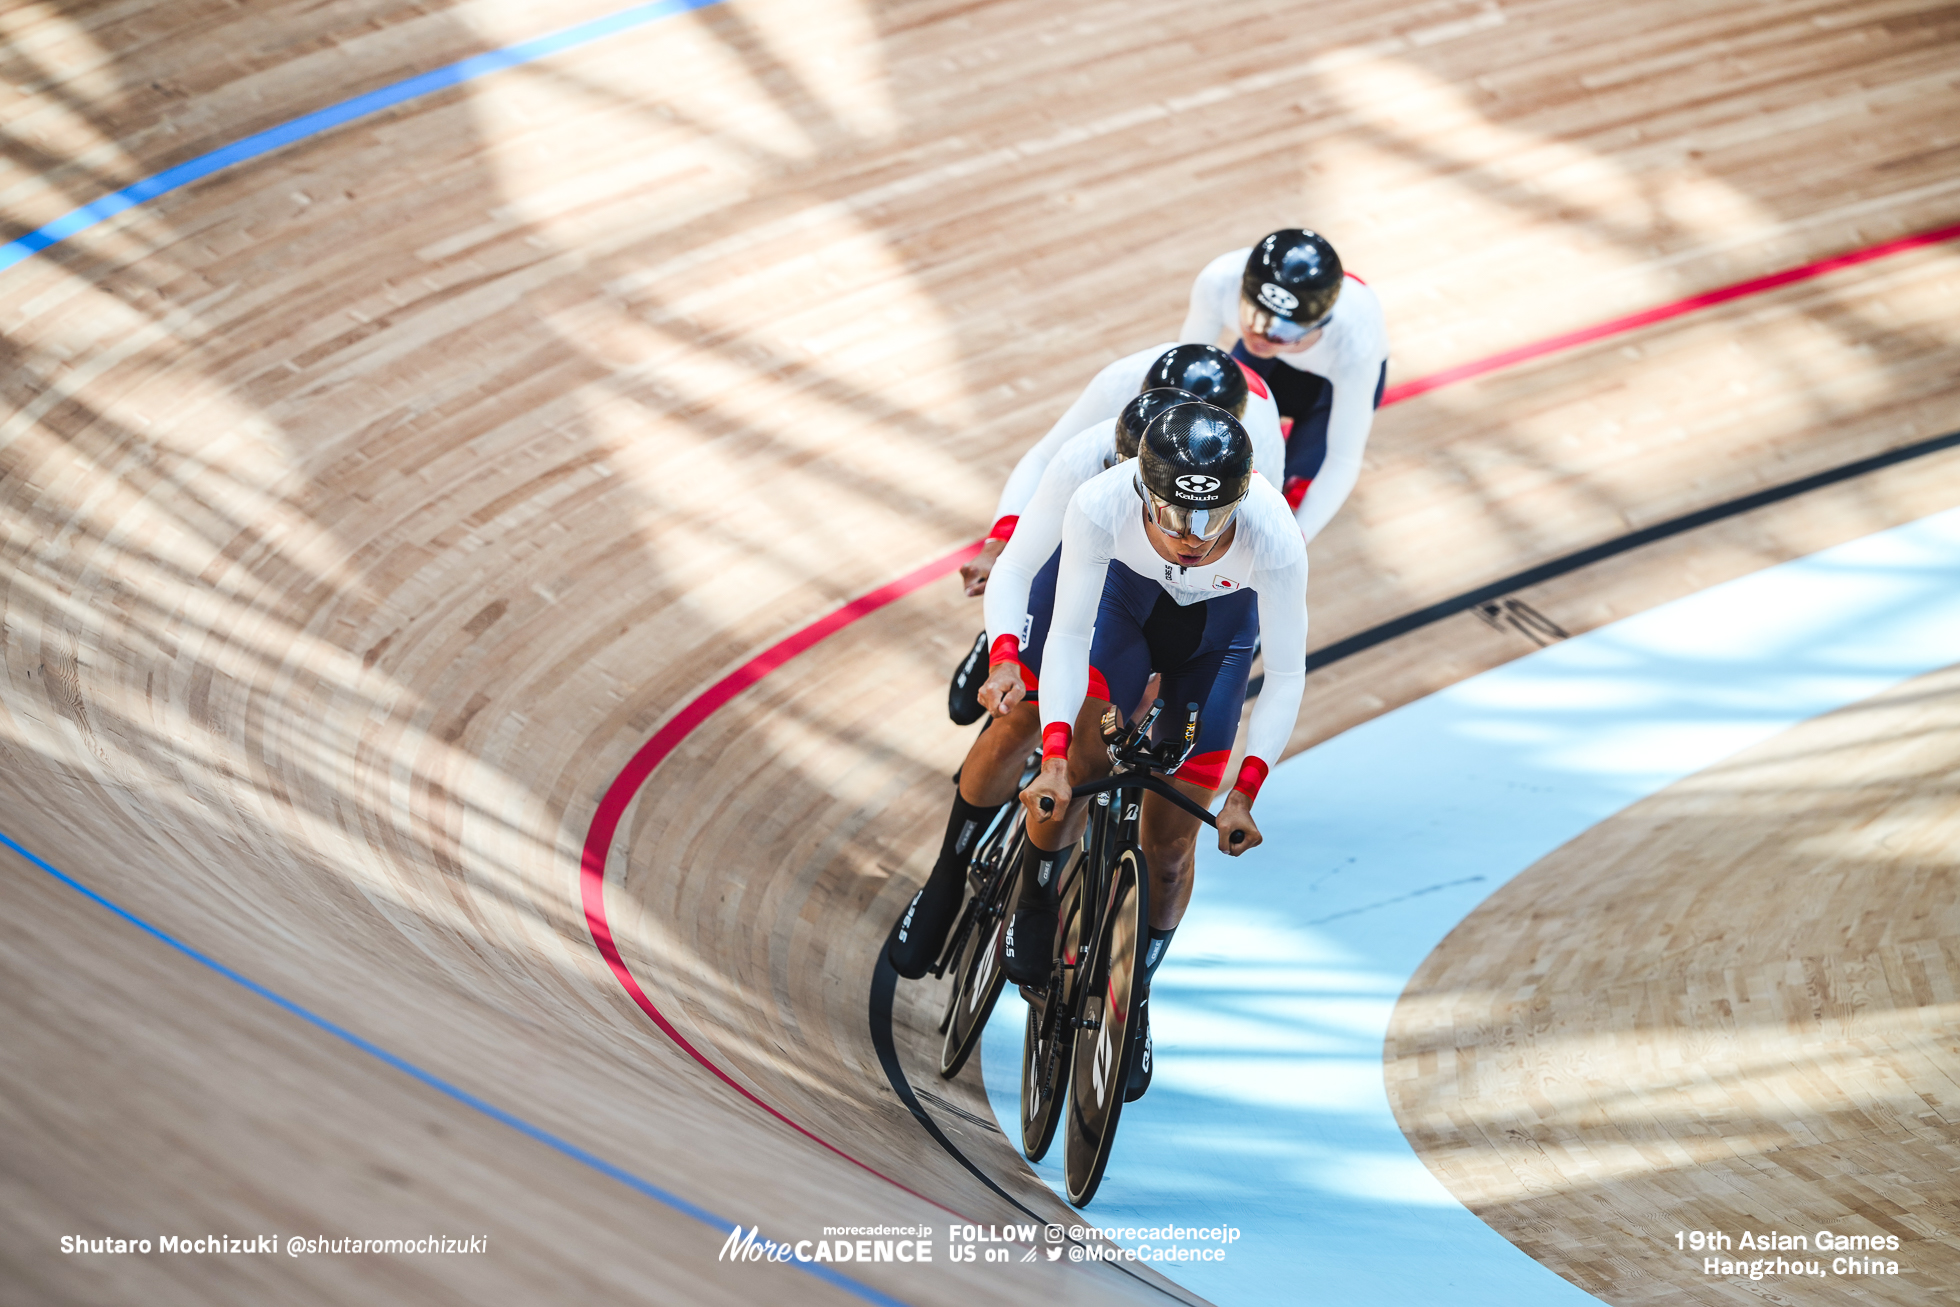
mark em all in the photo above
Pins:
pixel 1268 1110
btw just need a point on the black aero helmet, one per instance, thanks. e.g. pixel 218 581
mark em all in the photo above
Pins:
pixel 1193 469
pixel 1292 279
pixel 1137 413
pixel 1207 371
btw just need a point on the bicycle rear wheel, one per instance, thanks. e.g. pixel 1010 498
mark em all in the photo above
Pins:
pixel 1100 1065
pixel 988 876
pixel 977 975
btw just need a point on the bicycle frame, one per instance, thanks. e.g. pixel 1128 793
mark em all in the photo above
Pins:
pixel 1112 830
pixel 1119 800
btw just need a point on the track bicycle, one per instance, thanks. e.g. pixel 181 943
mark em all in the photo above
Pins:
pixel 1080 1023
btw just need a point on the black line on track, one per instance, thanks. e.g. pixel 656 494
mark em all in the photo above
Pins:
pixel 884 980
pixel 884 984
pixel 1531 576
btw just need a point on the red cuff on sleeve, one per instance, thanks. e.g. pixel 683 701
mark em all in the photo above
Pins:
pixel 1055 740
pixel 1252 774
pixel 1006 649
pixel 1295 490
pixel 1004 529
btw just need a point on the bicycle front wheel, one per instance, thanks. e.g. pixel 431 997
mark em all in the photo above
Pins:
pixel 1100 1066
pixel 1051 1033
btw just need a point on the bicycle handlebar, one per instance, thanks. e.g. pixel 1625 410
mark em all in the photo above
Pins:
pixel 1155 784
pixel 1130 749
pixel 1144 780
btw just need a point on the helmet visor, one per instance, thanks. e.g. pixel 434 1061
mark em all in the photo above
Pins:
pixel 1264 323
pixel 1202 523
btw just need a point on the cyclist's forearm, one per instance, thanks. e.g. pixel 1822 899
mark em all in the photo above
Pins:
pixel 1006 600
pixel 1273 715
pixel 1283 638
pixel 1347 441
pixel 1079 581
pixel 1064 683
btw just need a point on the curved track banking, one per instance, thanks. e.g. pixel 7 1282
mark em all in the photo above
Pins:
pixel 639 770
pixel 369 507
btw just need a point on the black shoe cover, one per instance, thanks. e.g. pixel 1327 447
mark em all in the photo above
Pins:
pixel 963 695
pixel 1030 953
pixel 922 930
pixel 1140 1067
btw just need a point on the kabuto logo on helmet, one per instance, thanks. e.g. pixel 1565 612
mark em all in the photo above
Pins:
pixel 1277 298
pixel 1193 467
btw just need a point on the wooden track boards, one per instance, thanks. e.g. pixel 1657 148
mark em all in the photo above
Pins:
pixel 1729 1008
pixel 366 508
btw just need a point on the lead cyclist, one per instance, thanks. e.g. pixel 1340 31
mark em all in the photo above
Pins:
pixel 1018 600
pixel 1018 607
pixel 1180 562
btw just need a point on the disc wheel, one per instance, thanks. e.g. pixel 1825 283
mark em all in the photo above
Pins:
pixel 1050 1034
pixel 1100 1066
pixel 977 975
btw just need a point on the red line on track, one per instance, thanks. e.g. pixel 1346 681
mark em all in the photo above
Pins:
pixel 612 807
pixel 1647 317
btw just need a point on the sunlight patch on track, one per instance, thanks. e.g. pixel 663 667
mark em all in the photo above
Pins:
pixel 251 147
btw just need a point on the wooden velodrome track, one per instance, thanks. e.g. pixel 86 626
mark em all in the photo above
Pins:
pixel 369 505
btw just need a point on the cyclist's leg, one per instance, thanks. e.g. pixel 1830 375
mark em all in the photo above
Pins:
pixel 1212 675
pixel 1306 402
pixel 1119 665
pixel 1029 944
pixel 1119 668
pixel 991 774
pixel 1168 836
pixel 1088 760
pixel 1297 393
pixel 987 784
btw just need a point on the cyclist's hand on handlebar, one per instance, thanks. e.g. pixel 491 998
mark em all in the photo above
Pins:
pixel 974 573
pixel 1003 689
pixel 1050 784
pixel 1235 818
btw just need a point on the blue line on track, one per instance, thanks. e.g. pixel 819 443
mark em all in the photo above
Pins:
pixel 463 1096
pixel 324 120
